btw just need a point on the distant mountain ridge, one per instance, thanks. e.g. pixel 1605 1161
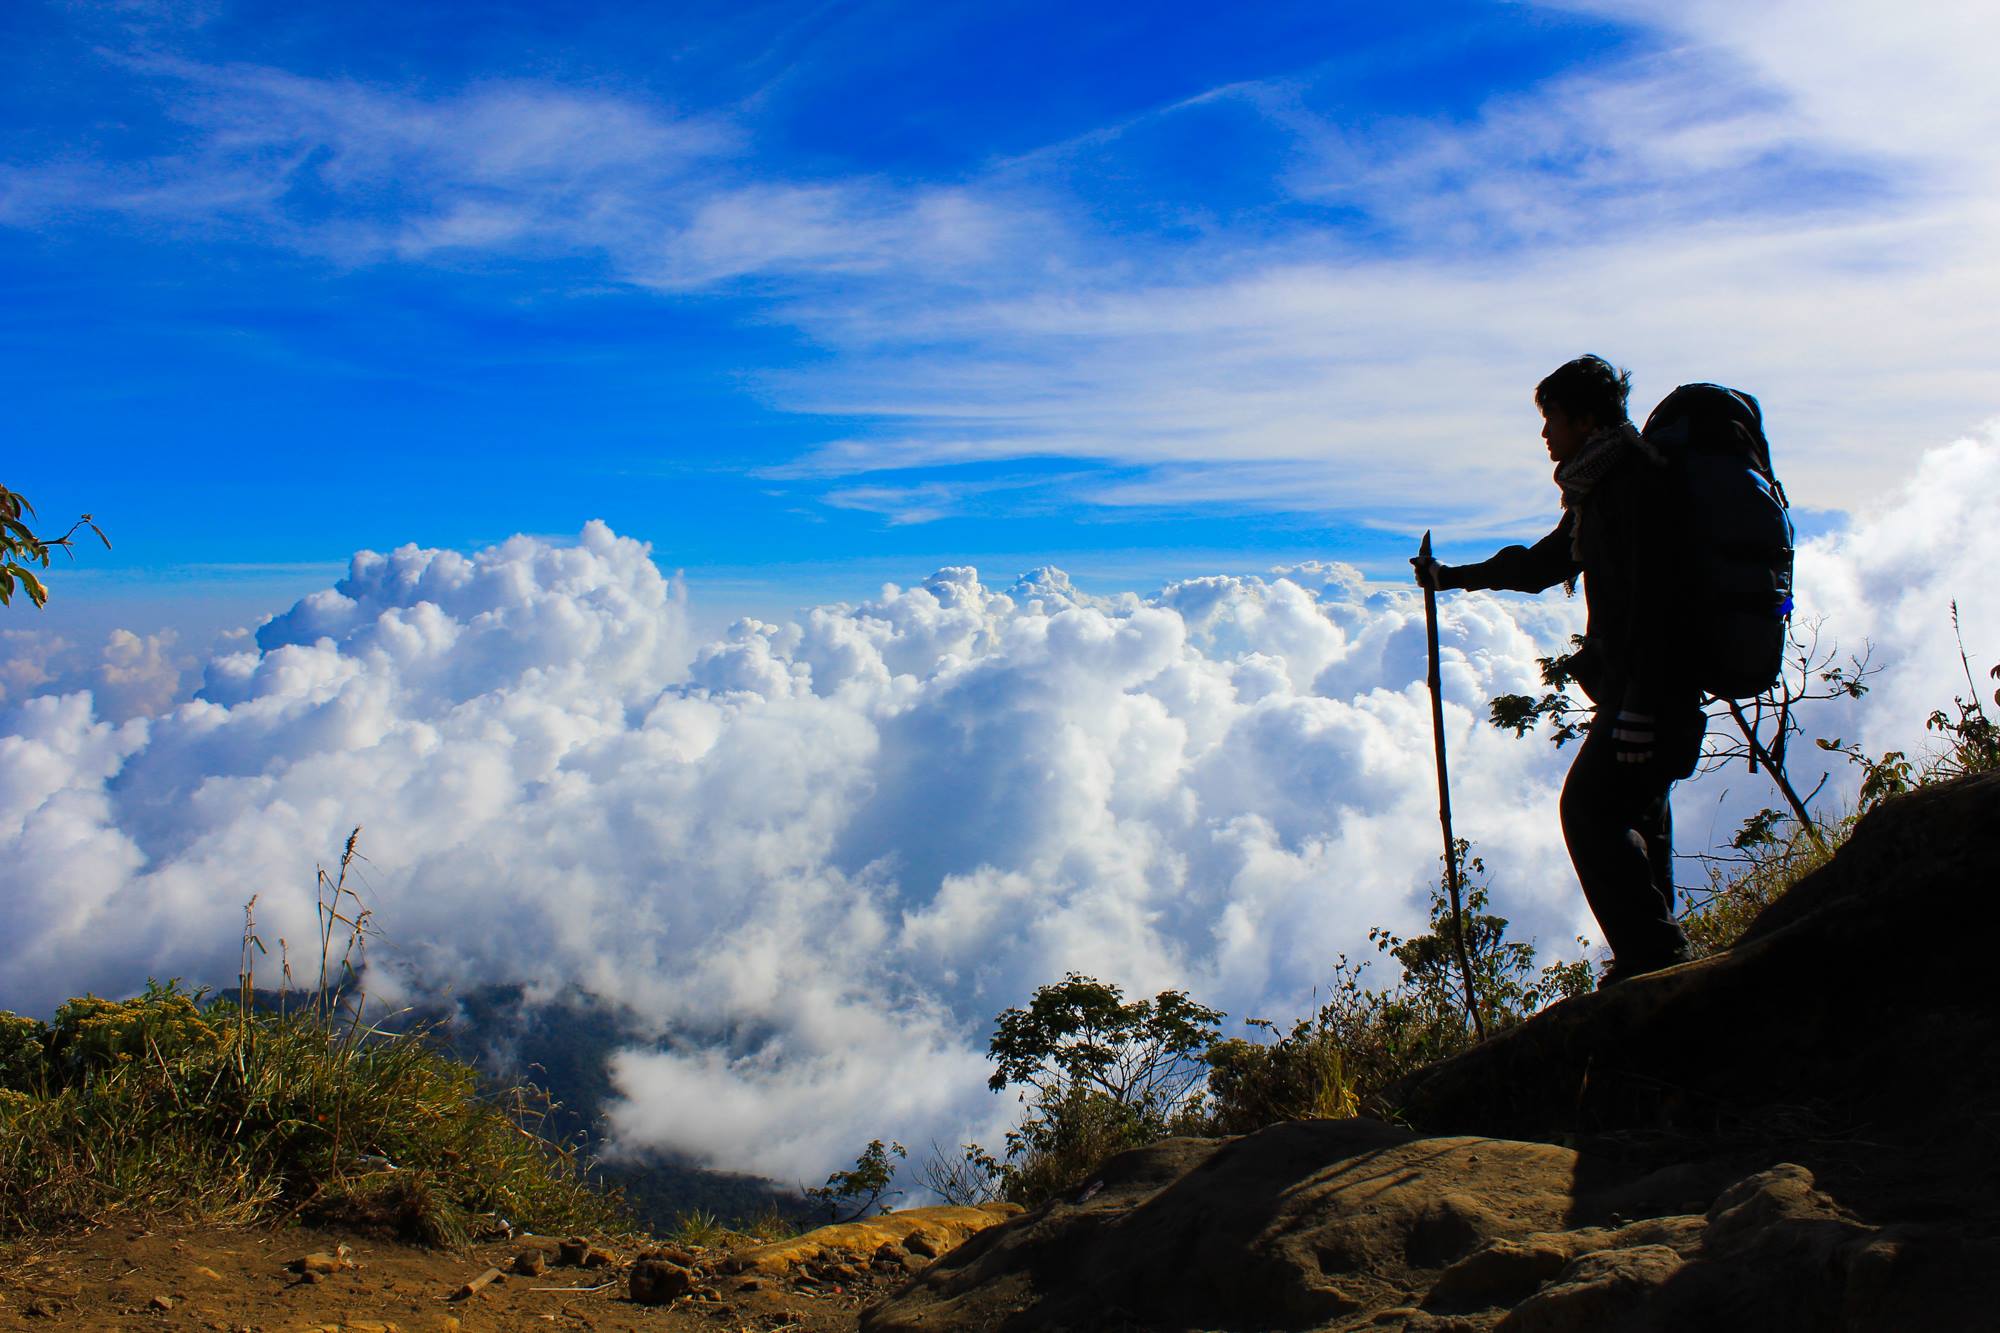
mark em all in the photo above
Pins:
pixel 563 1046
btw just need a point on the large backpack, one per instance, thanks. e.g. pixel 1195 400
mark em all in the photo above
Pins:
pixel 1737 536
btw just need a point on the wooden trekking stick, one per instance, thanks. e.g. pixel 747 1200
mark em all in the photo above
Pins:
pixel 1444 796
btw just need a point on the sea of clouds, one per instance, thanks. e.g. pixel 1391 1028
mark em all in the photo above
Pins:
pixel 814 859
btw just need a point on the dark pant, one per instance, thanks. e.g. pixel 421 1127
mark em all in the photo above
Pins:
pixel 1620 830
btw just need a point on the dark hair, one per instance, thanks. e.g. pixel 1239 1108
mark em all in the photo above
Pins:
pixel 1589 386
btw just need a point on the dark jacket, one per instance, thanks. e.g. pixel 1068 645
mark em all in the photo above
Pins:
pixel 1631 656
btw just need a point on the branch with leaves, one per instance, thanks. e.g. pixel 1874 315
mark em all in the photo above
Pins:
pixel 862 1186
pixel 22 549
pixel 1971 742
pixel 1763 727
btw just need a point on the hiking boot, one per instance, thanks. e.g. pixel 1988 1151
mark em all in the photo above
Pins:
pixel 1621 970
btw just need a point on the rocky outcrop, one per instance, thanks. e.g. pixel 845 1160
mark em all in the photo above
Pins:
pixel 1798 1134
pixel 924 1232
pixel 1869 979
pixel 1350 1225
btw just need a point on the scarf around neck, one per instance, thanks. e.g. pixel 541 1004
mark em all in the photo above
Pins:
pixel 1603 449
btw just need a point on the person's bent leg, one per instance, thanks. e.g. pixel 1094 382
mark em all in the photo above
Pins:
pixel 1679 754
pixel 1657 827
pixel 1615 822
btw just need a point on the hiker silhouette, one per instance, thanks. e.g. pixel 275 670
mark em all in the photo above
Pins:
pixel 1615 535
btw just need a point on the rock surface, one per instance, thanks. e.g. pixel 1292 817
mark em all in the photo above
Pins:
pixel 1797 1134
pixel 923 1231
pixel 1355 1224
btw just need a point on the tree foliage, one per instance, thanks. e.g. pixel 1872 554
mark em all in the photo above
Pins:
pixel 1100 1074
pixel 22 550
pixel 1083 1033
pixel 1097 1073
pixel 1509 985
pixel 850 1194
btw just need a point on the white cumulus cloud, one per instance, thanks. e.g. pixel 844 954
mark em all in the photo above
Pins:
pixel 814 858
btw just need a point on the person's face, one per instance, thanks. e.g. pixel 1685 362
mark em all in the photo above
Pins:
pixel 1564 433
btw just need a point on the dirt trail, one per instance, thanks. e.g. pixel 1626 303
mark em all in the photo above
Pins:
pixel 235 1280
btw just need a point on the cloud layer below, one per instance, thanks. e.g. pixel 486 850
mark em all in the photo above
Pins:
pixel 815 858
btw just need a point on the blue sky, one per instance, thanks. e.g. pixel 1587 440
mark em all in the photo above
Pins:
pixel 814 296
pixel 817 298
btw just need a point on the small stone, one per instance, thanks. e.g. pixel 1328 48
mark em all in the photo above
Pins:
pixel 320 1261
pixel 531 1263
pixel 674 1254
pixel 202 1270
pixel 657 1282
pixel 928 1244
pixel 570 1254
pixel 750 1284
pixel 596 1258
pixel 161 1303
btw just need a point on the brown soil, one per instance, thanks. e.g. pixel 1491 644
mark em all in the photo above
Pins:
pixel 239 1281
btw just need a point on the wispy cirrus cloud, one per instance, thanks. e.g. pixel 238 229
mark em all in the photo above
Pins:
pixel 1797 200
pixel 528 170
pixel 1804 222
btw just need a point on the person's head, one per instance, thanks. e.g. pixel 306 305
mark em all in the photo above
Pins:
pixel 1580 397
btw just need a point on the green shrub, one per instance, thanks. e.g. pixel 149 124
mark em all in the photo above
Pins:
pixel 1301 1076
pixel 1773 851
pixel 160 1107
pixel 768 1225
pixel 165 1024
pixel 1098 1074
pixel 849 1195
pixel 156 1110
pixel 23 1044
pixel 698 1227
pixel 1772 854
pixel 1066 1137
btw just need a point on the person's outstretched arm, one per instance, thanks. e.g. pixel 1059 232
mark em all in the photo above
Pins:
pixel 1513 568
